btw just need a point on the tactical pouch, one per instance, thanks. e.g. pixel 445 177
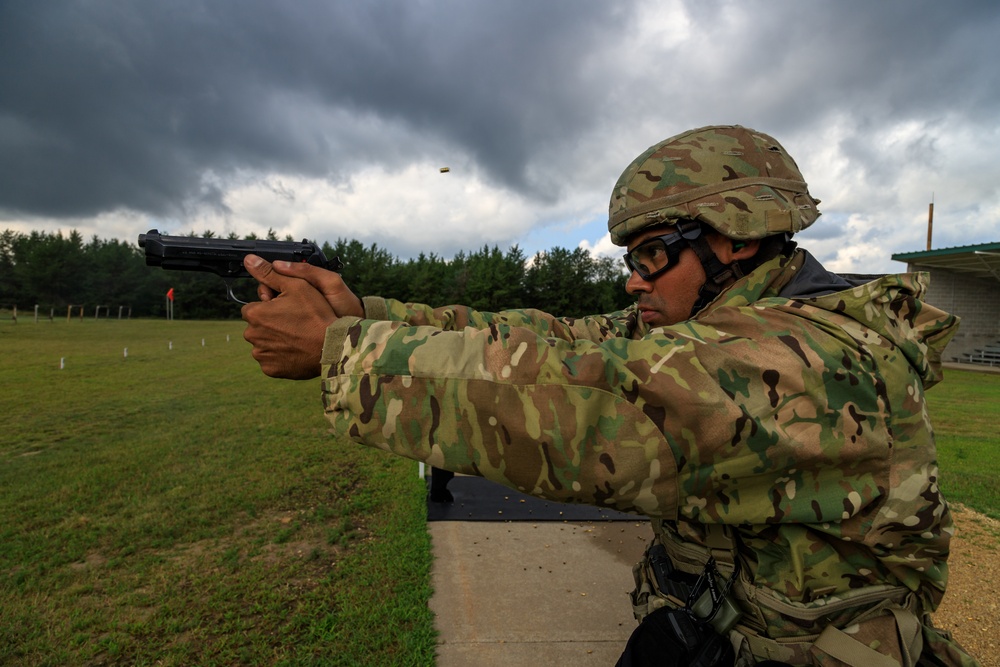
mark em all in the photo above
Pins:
pixel 724 618
pixel 656 584
pixel 673 637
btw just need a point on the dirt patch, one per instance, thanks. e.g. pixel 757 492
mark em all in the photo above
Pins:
pixel 971 606
pixel 91 561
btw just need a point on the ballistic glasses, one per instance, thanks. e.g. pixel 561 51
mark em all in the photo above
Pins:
pixel 655 255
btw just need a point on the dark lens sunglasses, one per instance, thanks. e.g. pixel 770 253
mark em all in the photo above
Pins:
pixel 655 255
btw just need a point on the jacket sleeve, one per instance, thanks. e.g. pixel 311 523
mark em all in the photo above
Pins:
pixel 576 420
pixel 687 421
pixel 456 318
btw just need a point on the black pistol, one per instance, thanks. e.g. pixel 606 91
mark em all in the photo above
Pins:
pixel 224 257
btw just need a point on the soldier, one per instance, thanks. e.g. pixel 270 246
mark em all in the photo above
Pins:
pixel 767 415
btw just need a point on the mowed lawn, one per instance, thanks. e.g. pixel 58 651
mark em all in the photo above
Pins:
pixel 168 504
pixel 173 506
pixel 965 412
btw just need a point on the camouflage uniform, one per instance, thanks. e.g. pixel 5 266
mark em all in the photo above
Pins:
pixel 794 416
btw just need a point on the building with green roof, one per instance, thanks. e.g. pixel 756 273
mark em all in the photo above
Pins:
pixel 965 281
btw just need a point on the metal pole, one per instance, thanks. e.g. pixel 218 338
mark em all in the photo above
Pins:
pixel 930 224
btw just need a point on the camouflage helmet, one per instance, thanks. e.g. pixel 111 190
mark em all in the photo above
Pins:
pixel 739 181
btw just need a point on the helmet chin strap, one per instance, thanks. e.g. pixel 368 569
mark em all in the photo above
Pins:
pixel 718 274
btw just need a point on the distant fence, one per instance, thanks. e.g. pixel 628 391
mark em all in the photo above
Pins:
pixel 10 313
pixel 123 311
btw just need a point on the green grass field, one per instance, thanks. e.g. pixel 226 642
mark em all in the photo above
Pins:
pixel 965 412
pixel 176 507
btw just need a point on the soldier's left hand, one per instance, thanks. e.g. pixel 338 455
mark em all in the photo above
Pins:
pixel 288 330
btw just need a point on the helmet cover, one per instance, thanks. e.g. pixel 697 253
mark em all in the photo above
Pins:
pixel 740 182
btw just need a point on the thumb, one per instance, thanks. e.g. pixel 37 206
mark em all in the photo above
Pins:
pixel 264 273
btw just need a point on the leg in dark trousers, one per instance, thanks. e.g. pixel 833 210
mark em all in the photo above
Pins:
pixel 439 485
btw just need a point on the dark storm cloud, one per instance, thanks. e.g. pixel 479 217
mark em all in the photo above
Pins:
pixel 108 105
pixel 165 108
pixel 787 65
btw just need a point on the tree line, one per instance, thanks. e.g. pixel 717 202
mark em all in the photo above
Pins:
pixel 54 271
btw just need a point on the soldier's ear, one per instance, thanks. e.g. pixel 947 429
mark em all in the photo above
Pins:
pixel 744 249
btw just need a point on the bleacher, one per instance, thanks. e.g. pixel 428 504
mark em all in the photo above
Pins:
pixel 988 355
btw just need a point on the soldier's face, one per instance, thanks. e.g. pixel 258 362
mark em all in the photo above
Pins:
pixel 668 298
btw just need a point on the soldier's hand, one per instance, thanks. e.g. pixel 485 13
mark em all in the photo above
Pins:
pixel 340 297
pixel 288 328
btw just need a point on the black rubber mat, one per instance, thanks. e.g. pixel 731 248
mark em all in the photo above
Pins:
pixel 478 499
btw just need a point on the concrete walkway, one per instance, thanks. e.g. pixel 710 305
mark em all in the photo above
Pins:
pixel 533 593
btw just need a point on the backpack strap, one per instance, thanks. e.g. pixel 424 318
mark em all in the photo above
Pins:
pixel 844 646
pixel 850 651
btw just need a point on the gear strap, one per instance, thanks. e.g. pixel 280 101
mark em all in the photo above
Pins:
pixel 845 648
pixel 842 646
pixel 718 274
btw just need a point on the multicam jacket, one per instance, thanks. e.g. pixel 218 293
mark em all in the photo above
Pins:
pixel 796 419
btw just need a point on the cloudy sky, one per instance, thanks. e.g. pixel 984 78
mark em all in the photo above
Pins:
pixel 331 119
